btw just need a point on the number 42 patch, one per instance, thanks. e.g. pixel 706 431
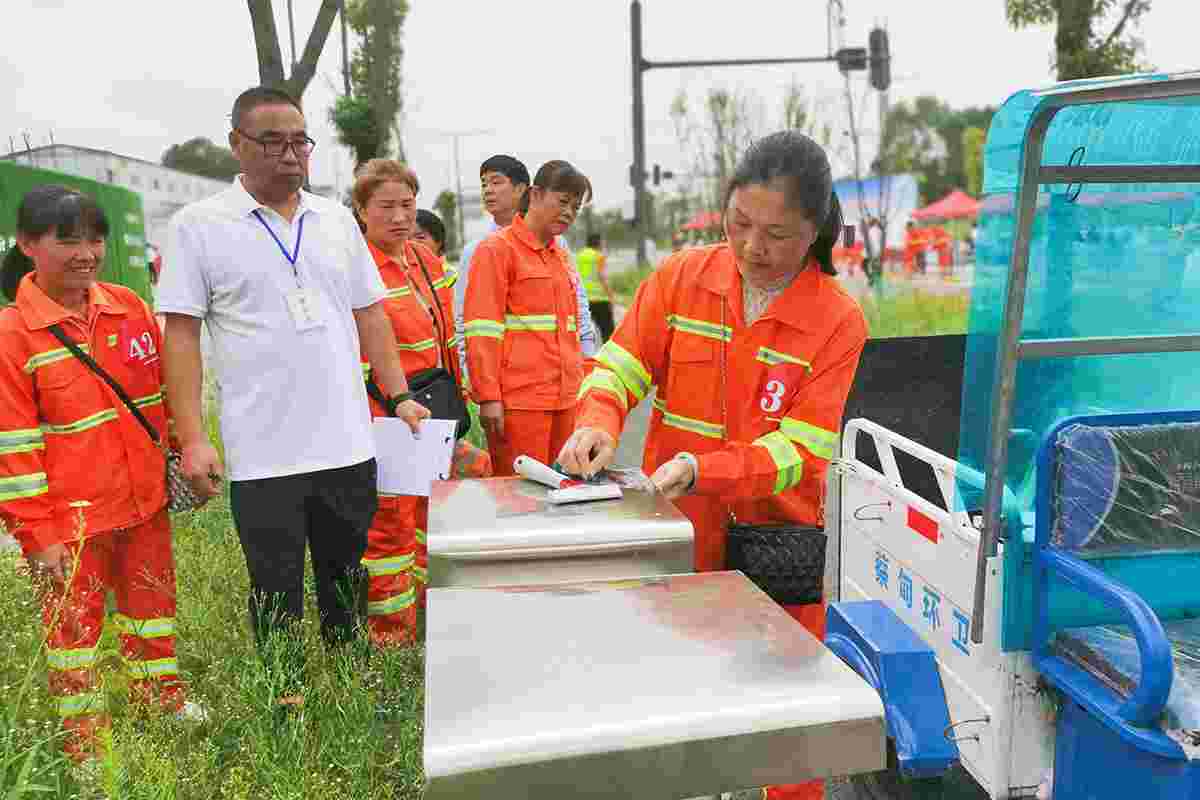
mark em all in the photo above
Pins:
pixel 137 343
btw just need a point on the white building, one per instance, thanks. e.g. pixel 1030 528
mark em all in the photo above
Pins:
pixel 164 190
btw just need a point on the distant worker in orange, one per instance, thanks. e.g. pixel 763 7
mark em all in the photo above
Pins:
pixel 522 328
pixel 82 484
pixel 419 305
pixel 752 344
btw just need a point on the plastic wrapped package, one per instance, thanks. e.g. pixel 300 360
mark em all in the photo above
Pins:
pixel 1109 652
pixel 1126 490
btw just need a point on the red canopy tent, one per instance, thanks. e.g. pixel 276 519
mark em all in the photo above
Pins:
pixel 703 220
pixel 956 205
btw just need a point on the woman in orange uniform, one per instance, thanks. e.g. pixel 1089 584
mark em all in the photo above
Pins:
pixel 82 486
pixel 419 306
pixel 523 348
pixel 752 345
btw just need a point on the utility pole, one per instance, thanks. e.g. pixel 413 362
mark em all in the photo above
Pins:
pixel 847 58
pixel 345 48
pixel 455 136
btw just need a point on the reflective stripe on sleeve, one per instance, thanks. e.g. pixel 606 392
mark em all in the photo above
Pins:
pixel 85 424
pixel 393 565
pixel 484 327
pixel 447 280
pixel 788 462
pixel 419 535
pixel 633 373
pixel 605 380
pixel 707 429
pixel 398 292
pixel 51 356
pixel 709 330
pixel 19 486
pixel 417 347
pixel 153 628
pixel 23 440
pixel 772 357
pixel 80 658
pixel 421 575
pixel 818 441
pixel 148 400
pixel 530 322
pixel 393 604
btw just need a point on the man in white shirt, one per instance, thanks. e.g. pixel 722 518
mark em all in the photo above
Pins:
pixel 290 293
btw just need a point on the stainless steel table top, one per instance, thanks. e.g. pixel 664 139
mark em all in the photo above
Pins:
pixel 511 516
pixel 653 687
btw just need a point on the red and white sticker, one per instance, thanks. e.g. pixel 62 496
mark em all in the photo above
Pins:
pixel 137 343
pixel 923 525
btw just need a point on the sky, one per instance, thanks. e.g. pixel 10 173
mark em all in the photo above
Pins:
pixel 540 79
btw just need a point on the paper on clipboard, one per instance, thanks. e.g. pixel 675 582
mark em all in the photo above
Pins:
pixel 408 465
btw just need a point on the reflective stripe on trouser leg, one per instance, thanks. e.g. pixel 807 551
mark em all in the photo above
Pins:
pixel 391 613
pixel 144 582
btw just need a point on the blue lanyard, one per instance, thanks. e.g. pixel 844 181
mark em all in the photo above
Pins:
pixel 291 257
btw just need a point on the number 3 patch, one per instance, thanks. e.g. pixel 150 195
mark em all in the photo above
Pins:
pixel 137 343
pixel 779 387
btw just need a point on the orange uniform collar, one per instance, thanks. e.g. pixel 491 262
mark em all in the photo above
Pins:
pixel 797 307
pixel 39 311
pixel 522 232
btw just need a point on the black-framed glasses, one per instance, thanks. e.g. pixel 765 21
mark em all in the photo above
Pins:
pixel 275 148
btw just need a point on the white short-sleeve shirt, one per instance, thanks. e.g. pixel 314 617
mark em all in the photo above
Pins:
pixel 292 401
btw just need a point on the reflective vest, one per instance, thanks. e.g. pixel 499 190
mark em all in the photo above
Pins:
pixel 520 323
pixel 413 325
pixel 759 405
pixel 589 260
pixel 74 462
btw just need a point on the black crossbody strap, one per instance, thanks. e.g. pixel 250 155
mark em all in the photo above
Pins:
pixel 440 328
pixel 112 384
pixel 378 396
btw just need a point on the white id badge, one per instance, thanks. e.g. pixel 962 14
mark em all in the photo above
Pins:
pixel 305 306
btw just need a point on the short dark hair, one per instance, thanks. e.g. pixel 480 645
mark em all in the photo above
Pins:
pixel 803 168
pixel 257 96
pixel 51 207
pixel 594 240
pixel 560 176
pixel 507 166
pixel 431 222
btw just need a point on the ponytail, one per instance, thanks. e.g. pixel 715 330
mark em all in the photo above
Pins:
pixel 827 237
pixel 16 266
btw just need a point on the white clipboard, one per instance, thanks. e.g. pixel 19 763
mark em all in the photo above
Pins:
pixel 408 465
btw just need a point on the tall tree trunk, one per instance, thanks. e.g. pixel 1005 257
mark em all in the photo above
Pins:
pixel 1073 39
pixel 270 57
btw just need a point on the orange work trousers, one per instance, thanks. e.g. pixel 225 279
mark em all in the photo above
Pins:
pixel 537 434
pixel 138 566
pixel 390 561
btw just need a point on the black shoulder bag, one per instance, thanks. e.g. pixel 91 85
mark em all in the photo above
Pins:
pixel 435 388
pixel 785 561
pixel 180 496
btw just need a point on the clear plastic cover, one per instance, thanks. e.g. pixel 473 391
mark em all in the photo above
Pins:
pixel 1126 490
pixel 1110 653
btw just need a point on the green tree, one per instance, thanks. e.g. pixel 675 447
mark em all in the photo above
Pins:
pixel 1091 37
pixel 972 145
pixel 200 156
pixel 270 56
pixel 925 138
pixel 446 207
pixel 366 120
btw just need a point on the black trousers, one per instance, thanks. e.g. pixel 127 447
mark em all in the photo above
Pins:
pixel 330 511
pixel 602 315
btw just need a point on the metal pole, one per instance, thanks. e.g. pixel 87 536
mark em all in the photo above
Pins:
pixel 638 178
pixel 345 49
pixel 292 34
pixel 458 183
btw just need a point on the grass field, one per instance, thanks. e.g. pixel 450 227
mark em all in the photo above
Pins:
pixel 358 735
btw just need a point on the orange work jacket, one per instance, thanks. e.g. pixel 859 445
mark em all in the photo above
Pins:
pixel 760 405
pixel 74 462
pixel 415 328
pixel 521 329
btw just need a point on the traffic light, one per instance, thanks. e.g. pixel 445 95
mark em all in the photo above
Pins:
pixel 657 175
pixel 881 60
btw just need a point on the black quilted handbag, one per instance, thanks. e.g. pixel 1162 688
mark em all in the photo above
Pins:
pixel 785 561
